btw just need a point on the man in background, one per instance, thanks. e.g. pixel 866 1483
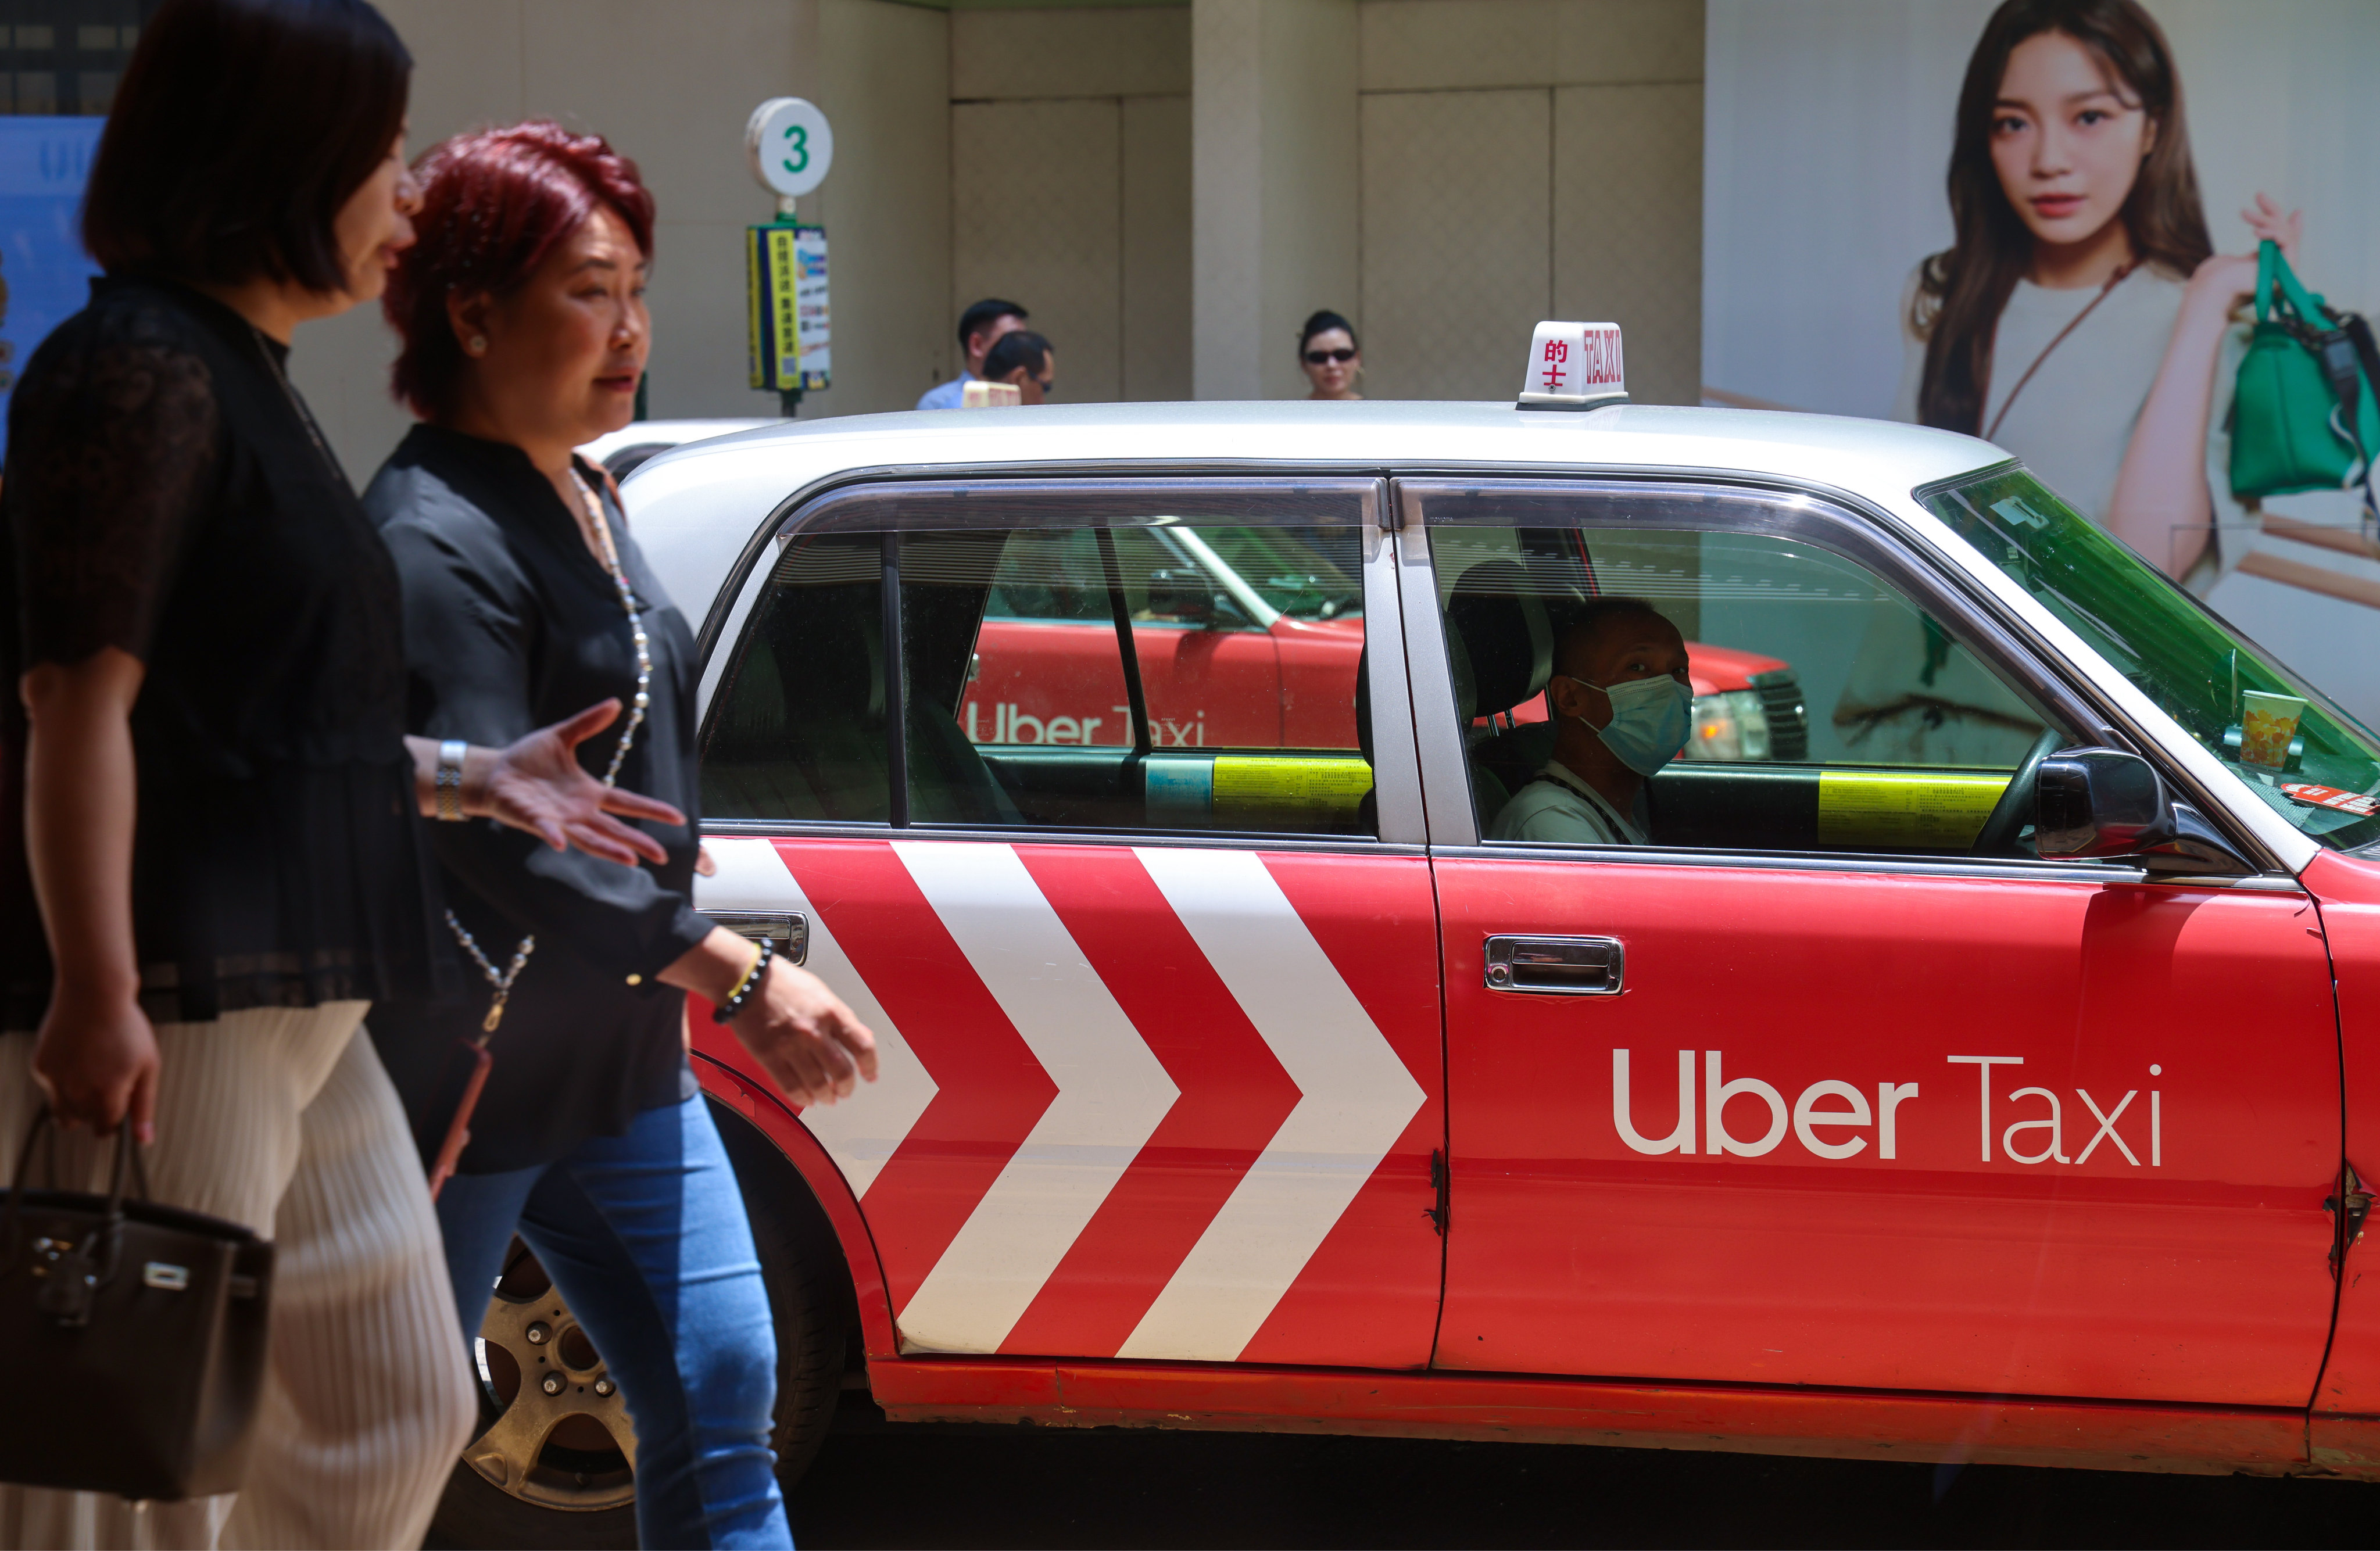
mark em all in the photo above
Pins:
pixel 1026 361
pixel 980 327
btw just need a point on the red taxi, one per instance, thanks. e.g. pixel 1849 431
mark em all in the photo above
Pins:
pixel 1978 1075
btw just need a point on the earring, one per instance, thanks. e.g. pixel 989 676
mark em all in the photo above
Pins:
pixel 479 345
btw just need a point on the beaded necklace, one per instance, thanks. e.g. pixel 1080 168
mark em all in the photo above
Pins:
pixel 503 982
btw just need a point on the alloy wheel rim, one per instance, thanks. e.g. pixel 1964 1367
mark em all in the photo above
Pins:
pixel 561 1438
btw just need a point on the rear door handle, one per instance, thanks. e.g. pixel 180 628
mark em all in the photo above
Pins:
pixel 1561 966
pixel 790 931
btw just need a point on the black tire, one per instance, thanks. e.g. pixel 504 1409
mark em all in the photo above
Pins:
pixel 811 1307
pixel 477 1515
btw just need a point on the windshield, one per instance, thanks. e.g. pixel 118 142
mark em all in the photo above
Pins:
pixel 1289 570
pixel 2297 751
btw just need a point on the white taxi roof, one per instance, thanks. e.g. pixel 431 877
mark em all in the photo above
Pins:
pixel 697 505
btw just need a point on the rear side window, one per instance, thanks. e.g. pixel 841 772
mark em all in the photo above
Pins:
pixel 1140 668
pixel 799 731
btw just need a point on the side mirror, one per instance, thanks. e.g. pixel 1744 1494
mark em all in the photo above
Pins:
pixel 1183 596
pixel 2103 802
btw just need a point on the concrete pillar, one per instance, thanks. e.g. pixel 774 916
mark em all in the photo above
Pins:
pixel 1274 170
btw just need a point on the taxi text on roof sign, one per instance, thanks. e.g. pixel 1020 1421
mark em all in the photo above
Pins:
pixel 1573 365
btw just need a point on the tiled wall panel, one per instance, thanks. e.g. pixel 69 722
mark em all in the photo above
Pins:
pixel 1036 217
pixel 1157 248
pixel 1457 230
pixel 1627 226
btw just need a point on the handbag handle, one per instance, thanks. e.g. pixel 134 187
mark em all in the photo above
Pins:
pixel 78 1271
pixel 2273 270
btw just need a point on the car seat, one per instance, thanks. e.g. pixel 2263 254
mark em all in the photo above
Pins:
pixel 949 782
pixel 801 733
pixel 1500 644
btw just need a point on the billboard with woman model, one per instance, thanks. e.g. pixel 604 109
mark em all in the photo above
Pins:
pixel 2036 222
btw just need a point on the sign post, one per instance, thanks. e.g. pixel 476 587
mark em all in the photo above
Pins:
pixel 789 147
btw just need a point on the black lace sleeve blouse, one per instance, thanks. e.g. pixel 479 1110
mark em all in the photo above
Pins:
pixel 510 625
pixel 167 495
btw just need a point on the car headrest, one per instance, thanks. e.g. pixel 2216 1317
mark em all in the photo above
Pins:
pixel 842 626
pixel 1501 622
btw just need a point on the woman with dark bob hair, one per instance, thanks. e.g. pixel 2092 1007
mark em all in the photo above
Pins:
pixel 211 856
pixel 522 311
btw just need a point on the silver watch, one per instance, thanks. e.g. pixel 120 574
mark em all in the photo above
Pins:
pixel 450 778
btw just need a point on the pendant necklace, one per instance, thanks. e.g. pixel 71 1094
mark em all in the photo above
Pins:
pixel 637 706
pixel 296 405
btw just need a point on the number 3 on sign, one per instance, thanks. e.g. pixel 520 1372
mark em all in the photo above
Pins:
pixel 788 145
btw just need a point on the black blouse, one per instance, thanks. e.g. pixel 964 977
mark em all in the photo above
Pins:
pixel 167 493
pixel 510 625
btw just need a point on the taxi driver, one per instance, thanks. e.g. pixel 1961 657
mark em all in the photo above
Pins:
pixel 1620 697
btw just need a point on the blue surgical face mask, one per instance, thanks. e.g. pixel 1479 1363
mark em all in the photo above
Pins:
pixel 1649 720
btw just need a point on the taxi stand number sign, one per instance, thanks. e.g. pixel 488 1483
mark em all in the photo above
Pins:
pixel 1574 366
pixel 789 147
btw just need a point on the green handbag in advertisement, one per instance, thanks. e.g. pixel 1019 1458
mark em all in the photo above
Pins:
pixel 2304 415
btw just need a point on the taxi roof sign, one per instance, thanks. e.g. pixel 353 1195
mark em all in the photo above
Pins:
pixel 1573 365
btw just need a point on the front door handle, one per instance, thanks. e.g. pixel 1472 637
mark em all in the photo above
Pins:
pixel 789 929
pixel 1561 966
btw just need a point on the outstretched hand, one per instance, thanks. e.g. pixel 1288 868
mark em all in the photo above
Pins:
pixel 2264 218
pixel 2227 279
pixel 538 784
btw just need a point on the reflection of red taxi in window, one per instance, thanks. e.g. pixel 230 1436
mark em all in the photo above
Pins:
pixel 1261 657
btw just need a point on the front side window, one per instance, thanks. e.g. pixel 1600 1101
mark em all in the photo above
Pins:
pixel 1812 703
pixel 2289 744
pixel 1115 666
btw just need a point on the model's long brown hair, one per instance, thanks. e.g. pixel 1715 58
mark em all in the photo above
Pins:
pixel 1962 291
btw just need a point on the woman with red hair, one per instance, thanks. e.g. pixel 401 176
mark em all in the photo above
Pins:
pixel 522 309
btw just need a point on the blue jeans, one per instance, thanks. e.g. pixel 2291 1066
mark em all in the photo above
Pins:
pixel 645 1237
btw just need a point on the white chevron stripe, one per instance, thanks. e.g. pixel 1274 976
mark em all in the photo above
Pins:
pixel 1111 1093
pixel 1357 1098
pixel 860 1132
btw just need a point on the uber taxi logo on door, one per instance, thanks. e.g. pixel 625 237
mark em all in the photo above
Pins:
pixel 1829 1116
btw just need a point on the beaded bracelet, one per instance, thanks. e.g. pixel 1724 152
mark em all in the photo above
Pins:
pixel 726 1011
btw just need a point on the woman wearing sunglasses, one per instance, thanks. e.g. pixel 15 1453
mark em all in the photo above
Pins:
pixel 1333 361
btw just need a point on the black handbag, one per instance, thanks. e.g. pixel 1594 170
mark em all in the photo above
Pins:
pixel 133 1336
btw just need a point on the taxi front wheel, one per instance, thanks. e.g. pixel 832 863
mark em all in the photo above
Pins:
pixel 554 1462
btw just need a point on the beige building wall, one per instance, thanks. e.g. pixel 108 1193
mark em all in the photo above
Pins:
pixel 1528 159
pixel 884 82
pixel 668 84
pixel 1458 240
pixel 1070 188
pixel 1448 171
pixel 1275 174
